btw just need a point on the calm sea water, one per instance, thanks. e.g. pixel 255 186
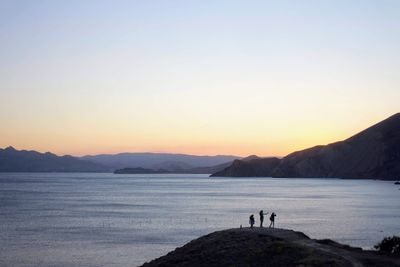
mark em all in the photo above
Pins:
pixel 125 220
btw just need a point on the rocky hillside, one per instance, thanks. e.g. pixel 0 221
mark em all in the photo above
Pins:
pixel 372 154
pixel 269 247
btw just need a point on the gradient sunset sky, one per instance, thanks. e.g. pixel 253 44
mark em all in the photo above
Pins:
pixel 198 77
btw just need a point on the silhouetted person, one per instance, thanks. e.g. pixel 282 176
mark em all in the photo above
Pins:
pixel 262 217
pixel 272 219
pixel 251 220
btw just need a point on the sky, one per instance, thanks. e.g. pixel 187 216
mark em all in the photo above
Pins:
pixel 198 77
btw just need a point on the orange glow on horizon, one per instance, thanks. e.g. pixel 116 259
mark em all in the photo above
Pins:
pixel 256 146
pixel 256 140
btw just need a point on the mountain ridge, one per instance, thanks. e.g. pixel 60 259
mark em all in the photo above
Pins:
pixel 167 161
pixel 373 153
pixel 13 160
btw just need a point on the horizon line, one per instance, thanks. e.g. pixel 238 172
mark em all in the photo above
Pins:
pixel 137 152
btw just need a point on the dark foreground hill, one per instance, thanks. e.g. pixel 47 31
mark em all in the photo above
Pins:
pixel 12 160
pixel 269 247
pixel 371 154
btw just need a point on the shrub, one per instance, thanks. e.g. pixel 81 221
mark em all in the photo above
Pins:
pixel 390 245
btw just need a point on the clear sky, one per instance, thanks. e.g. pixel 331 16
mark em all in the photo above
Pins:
pixel 199 77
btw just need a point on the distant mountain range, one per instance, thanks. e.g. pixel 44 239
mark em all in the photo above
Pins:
pixel 173 163
pixel 196 170
pixel 12 160
pixel 371 154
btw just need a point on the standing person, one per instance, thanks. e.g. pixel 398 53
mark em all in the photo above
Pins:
pixel 251 220
pixel 272 219
pixel 262 217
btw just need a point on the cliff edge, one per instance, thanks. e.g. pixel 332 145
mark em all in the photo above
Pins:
pixel 269 247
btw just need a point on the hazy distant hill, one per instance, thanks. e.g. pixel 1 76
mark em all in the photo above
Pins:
pixel 197 170
pixel 373 153
pixel 171 162
pixel 12 160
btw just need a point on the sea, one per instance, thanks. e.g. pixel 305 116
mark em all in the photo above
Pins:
pixel 86 219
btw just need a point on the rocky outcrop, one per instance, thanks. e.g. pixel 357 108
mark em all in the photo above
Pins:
pixel 269 247
pixel 372 154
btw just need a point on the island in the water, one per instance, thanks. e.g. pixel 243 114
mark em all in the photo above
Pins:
pixel 269 247
pixel 371 154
